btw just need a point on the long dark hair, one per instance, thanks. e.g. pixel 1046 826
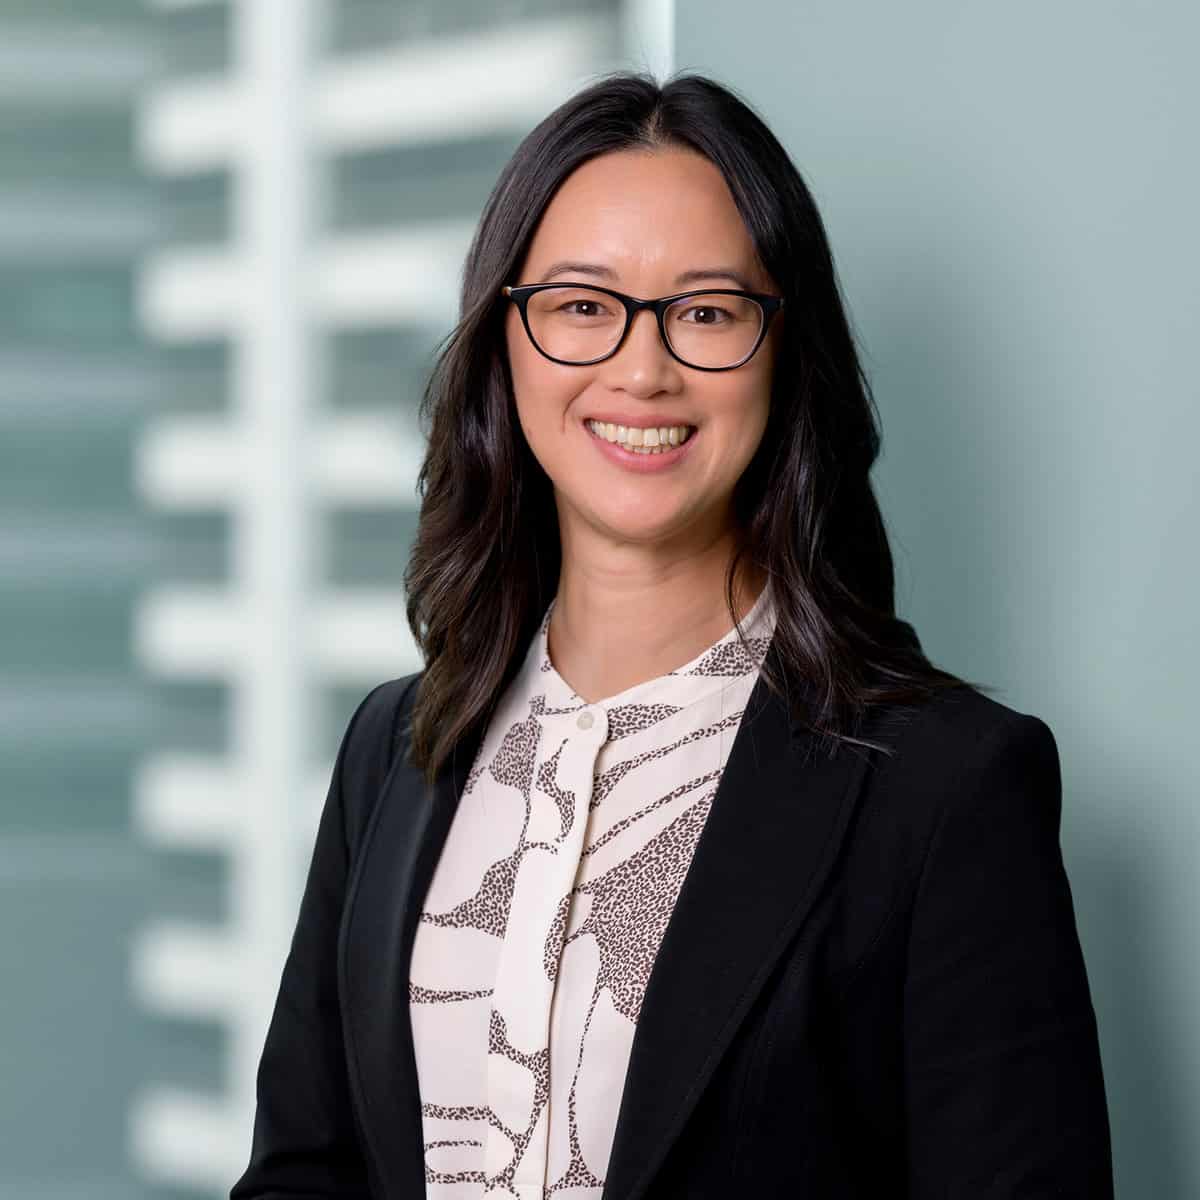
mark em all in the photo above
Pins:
pixel 486 558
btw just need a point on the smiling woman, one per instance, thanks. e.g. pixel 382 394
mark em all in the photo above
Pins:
pixel 679 870
pixel 549 411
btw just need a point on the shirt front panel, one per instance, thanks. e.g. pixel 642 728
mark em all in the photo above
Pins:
pixel 564 859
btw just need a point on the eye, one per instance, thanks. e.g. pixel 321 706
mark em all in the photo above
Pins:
pixel 595 307
pixel 712 314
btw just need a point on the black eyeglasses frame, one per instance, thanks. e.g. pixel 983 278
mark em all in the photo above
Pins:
pixel 519 295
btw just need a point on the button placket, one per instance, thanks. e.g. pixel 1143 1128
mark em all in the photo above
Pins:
pixel 519 971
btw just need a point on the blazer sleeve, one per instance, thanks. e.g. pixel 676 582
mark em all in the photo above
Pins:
pixel 1004 1089
pixel 304 1144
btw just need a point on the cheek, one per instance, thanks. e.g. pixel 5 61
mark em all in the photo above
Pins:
pixel 743 420
pixel 758 405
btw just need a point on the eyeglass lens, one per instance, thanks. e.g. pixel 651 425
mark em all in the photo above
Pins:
pixel 579 324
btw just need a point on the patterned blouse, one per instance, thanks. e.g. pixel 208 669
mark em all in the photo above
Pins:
pixel 564 858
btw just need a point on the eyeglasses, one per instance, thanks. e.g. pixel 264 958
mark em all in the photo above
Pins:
pixel 712 330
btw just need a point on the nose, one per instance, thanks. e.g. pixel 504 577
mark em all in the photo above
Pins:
pixel 643 365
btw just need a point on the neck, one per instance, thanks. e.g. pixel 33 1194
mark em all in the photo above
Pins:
pixel 617 623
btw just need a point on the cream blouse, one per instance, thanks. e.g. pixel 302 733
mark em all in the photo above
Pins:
pixel 564 858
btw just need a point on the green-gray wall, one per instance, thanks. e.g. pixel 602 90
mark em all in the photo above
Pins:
pixel 1012 195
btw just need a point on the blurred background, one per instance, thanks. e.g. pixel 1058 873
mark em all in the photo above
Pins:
pixel 230 240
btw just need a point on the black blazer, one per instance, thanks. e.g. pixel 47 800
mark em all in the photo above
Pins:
pixel 871 984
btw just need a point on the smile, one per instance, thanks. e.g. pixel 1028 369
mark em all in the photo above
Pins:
pixel 669 445
pixel 638 440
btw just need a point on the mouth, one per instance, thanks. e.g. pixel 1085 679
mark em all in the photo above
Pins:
pixel 641 440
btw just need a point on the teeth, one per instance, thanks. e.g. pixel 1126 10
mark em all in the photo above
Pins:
pixel 650 440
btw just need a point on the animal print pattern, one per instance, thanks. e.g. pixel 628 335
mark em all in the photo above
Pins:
pixel 546 910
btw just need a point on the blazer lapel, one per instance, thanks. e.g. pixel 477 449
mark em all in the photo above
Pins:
pixel 771 835
pixel 408 831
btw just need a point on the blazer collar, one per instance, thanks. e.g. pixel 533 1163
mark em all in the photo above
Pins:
pixel 777 819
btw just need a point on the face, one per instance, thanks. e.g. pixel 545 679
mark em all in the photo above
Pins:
pixel 639 220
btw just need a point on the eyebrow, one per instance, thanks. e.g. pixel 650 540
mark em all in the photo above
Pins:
pixel 682 280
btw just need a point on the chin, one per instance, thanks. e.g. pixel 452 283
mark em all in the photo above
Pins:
pixel 635 527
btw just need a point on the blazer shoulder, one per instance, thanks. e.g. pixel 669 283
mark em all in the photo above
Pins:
pixel 370 747
pixel 961 743
pixel 965 720
pixel 961 761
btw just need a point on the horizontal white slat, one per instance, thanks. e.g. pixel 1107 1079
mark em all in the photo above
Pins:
pixel 367 459
pixel 181 1139
pixel 190 125
pixel 470 84
pixel 186 970
pixel 196 802
pixel 200 462
pixel 188 801
pixel 437 88
pixel 190 632
pixel 188 462
pixel 362 637
pixel 408 276
pixel 357 637
pixel 191 293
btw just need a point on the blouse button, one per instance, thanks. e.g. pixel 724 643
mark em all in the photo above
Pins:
pixel 585 720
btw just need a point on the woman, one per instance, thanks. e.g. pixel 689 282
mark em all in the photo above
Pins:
pixel 679 870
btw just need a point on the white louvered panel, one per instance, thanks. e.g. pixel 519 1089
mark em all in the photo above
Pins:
pixel 190 125
pixel 409 276
pixel 411 93
pixel 362 637
pixel 186 970
pixel 192 294
pixel 197 802
pixel 477 83
pixel 199 462
pixel 367 459
pixel 182 1139
pixel 191 632
pixel 188 801
pixel 357 635
pixel 189 462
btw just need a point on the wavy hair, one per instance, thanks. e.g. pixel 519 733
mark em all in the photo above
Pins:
pixel 485 560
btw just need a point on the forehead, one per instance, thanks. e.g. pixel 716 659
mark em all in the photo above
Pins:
pixel 636 210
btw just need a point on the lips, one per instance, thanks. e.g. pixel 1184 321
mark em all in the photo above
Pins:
pixel 642 460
